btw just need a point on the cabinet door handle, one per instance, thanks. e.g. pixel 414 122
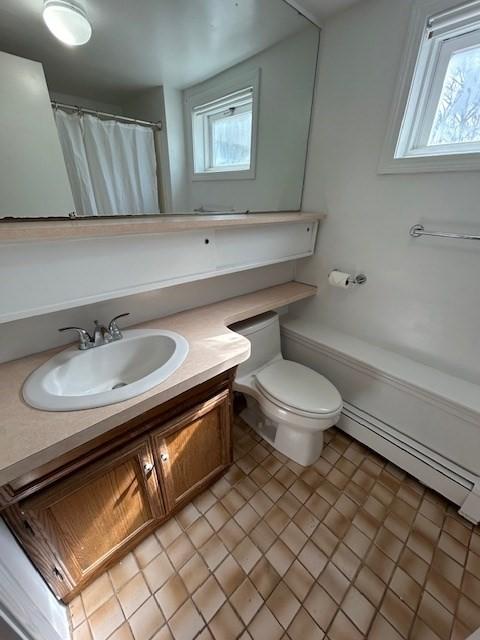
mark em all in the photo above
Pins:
pixel 147 467
pixel 164 457
pixel 28 527
pixel 57 573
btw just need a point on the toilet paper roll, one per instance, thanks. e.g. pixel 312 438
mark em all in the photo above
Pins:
pixel 339 279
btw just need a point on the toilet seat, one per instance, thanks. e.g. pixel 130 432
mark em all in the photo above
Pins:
pixel 299 389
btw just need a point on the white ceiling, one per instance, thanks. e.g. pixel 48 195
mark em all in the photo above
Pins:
pixel 137 44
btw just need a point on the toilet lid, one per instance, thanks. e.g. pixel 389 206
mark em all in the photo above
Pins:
pixel 299 387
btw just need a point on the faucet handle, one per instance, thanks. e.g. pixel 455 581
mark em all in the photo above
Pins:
pixel 113 328
pixel 84 337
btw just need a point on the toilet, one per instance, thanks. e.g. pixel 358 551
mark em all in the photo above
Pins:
pixel 288 404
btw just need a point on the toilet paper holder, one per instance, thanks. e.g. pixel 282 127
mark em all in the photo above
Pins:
pixel 353 280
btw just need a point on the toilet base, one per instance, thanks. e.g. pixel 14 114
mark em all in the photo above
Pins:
pixel 302 447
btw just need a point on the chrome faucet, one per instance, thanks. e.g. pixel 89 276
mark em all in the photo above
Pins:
pixel 101 333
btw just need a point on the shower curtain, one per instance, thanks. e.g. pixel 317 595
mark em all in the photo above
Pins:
pixel 112 166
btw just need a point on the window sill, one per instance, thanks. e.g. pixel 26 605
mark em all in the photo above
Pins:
pixel 430 164
pixel 243 174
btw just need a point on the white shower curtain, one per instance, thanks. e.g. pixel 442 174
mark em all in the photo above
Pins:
pixel 111 165
pixel 69 126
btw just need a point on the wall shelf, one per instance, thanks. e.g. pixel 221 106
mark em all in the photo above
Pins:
pixel 66 265
pixel 48 229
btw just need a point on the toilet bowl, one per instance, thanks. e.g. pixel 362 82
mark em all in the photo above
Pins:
pixel 288 404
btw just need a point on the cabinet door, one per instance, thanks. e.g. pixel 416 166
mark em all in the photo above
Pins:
pixel 94 515
pixel 191 450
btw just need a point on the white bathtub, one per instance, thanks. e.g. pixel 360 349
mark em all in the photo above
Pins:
pixel 423 420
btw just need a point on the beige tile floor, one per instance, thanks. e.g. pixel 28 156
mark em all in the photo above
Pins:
pixel 348 548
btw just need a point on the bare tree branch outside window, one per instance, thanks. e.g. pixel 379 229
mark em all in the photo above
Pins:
pixel 457 119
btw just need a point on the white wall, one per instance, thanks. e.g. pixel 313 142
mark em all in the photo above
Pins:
pixel 88 103
pixel 33 177
pixel 25 598
pixel 422 296
pixel 286 86
pixel 177 158
pixel 32 335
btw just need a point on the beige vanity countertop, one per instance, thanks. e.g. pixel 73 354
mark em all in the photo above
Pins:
pixel 21 230
pixel 30 437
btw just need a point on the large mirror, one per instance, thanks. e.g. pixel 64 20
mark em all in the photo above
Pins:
pixel 170 106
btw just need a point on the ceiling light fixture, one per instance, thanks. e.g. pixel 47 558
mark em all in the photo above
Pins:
pixel 67 21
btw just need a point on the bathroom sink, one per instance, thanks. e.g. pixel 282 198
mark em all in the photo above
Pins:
pixel 110 373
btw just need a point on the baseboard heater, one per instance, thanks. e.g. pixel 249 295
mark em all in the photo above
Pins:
pixel 410 457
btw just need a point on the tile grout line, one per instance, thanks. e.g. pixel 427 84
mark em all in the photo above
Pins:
pixel 422 585
pixel 263 556
pixel 361 566
pixel 253 440
pixel 459 590
pixel 396 565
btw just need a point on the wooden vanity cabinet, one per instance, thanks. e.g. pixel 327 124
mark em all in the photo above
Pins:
pixel 92 514
pixel 193 450
pixel 77 525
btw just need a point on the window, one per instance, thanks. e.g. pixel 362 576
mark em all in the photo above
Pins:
pixel 222 133
pixel 223 129
pixel 439 128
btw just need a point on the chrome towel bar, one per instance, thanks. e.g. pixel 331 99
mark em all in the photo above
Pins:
pixel 418 230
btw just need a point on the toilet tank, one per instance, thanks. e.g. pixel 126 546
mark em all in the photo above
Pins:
pixel 264 334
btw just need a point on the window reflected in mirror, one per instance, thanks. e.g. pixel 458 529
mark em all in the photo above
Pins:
pixel 222 134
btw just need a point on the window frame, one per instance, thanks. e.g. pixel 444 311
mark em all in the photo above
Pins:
pixel 217 91
pixel 418 89
pixel 202 129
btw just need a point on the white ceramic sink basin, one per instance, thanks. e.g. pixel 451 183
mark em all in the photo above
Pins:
pixel 75 379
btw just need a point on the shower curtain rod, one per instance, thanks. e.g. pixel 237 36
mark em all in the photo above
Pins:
pixel 102 114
